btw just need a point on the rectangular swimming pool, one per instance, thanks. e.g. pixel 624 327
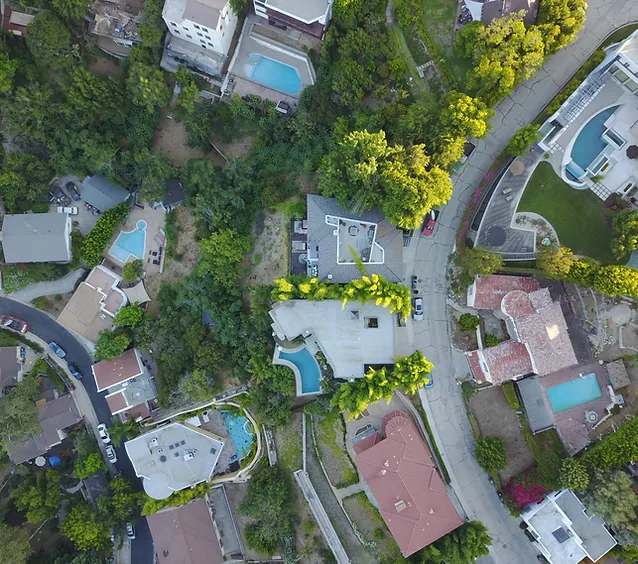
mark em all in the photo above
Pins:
pixel 272 73
pixel 574 393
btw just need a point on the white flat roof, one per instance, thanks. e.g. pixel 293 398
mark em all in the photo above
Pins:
pixel 342 334
pixel 173 457
pixel 307 11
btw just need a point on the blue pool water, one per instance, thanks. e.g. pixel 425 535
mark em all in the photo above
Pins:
pixel 590 143
pixel 308 367
pixel 275 74
pixel 240 431
pixel 131 243
pixel 574 393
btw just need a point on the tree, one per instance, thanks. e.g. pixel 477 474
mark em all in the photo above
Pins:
pixel 465 116
pixel 478 261
pixel 522 140
pixel 111 344
pixel 625 227
pixel 86 529
pixel 556 262
pixel 129 316
pixel 238 6
pixel 198 386
pixel 15 545
pixel 7 72
pixel 18 413
pixel 153 170
pixel 469 322
pixel 132 270
pixel 462 546
pixel 490 454
pixel 81 558
pixel 188 97
pixel 89 465
pixel 128 429
pixel 24 181
pixel 49 41
pixel 71 9
pixel 611 496
pixel 221 254
pixel 39 496
pixel 147 87
pixel 412 372
pixel 573 475
pixel 31 112
pixel 96 239
pixel 560 21
pixel 152 29
pixel 615 450
pixel 616 280
pixel 120 503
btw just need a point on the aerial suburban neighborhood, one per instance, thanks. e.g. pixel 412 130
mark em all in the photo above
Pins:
pixel 319 281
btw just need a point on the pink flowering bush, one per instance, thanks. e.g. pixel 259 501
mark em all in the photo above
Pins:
pixel 524 489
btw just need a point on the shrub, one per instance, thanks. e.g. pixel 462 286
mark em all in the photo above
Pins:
pixel 510 395
pixel 132 270
pixel 96 240
pixel 524 489
pixel 490 454
pixel 174 500
pixel 573 475
pixel 614 450
pixel 469 322
pixel 491 340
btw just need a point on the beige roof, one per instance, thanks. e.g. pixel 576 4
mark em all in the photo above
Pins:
pixel 137 293
pixel 618 374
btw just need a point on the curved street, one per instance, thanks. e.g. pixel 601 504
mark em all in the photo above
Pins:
pixel 444 404
pixel 48 330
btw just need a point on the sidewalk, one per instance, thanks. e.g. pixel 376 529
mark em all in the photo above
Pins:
pixel 37 289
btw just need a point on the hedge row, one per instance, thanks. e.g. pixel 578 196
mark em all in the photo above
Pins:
pixel 96 240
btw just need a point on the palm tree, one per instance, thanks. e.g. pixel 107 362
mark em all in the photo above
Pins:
pixel 129 429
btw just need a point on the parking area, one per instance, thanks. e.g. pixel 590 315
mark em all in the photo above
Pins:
pixel 85 219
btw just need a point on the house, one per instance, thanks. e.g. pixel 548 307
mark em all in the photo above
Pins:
pixel 594 134
pixel 97 192
pixel 94 487
pixel 335 237
pixel 55 414
pixel 94 304
pixel 36 237
pixel 564 533
pixel 174 457
pixel 10 367
pixel 402 475
pixel 351 338
pixel 16 22
pixel 117 23
pixel 539 344
pixel 175 195
pixel 130 388
pixel 310 16
pixel 209 24
pixel 494 9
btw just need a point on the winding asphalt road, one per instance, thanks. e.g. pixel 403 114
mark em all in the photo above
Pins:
pixel 50 330
pixel 444 403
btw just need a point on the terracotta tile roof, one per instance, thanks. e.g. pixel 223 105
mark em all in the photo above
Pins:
pixel 507 361
pixel 490 290
pixel 108 373
pixel 412 497
pixel 117 402
pixel 475 367
pixel 516 304
pixel 365 444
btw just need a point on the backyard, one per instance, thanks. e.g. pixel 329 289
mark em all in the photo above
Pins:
pixel 578 216
pixel 330 435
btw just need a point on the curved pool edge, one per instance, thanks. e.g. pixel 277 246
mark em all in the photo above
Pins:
pixel 276 360
pixel 130 254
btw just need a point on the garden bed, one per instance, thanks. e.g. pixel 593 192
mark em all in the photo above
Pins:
pixel 16 276
pixel 330 435
pixel 289 444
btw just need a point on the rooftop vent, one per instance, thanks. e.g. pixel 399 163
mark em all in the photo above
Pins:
pixel 561 535
pixel 153 442
pixel 354 314
pixel 163 458
pixel 400 506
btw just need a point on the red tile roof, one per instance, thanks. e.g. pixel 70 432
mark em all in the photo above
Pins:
pixel 108 373
pixel 365 444
pixel 507 361
pixel 490 290
pixel 117 402
pixel 412 497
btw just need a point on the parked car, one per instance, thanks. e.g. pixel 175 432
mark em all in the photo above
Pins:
pixel 110 454
pixel 14 323
pixel 73 191
pixel 104 434
pixel 57 349
pixel 130 531
pixel 430 222
pixel 70 210
pixel 75 372
pixel 417 314
pixel 59 196
pixel 468 149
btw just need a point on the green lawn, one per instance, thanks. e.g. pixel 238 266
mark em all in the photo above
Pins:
pixel 578 216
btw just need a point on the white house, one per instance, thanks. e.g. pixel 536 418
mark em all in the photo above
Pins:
pixel 209 24
pixel 309 16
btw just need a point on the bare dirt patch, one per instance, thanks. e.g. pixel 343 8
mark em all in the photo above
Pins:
pixel 105 66
pixel 463 340
pixel 185 256
pixel 269 258
pixel 496 418
pixel 235 149
pixel 52 304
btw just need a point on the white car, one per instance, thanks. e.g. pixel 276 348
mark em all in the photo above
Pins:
pixel 110 454
pixel 130 531
pixel 417 315
pixel 70 210
pixel 104 434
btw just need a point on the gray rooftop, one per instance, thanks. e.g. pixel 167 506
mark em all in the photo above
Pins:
pixel 36 237
pixel 202 59
pixel 342 334
pixel 203 12
pixel 539 414
pixel 102 195
pixel 333 231
pixel 95 486
pixel 618 374
pixel 630 48
pixel 173 457
pixel 307 11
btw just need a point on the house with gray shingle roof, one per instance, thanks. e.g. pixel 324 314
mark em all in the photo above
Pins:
pixel 336 236
pixel 101 194
pixel 36 237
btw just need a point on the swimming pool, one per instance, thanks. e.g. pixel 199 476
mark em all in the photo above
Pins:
pixel 590 143
pixel 308 369
pixel 574 393
pixel 272 73
pixel 240 431
pixel 130 243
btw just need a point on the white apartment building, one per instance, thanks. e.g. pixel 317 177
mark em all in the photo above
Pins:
pixel 209 24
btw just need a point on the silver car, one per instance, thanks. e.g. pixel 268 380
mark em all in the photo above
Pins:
pixel 110 454
pixel 417 314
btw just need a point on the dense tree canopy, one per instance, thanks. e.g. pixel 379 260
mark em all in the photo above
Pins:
pixel 86 528
pixel 625 227
pixel 522 140
pixel 462 546
pixel 39 496
pixel 18 413
pixel 15 545
pixel 111 344
pixel 573 475
pixel 49 41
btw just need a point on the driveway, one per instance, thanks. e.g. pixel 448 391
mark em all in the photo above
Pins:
pixel 49 330
pixel 444 403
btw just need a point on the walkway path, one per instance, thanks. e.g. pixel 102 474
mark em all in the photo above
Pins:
pixel 444 403
pixel 61 286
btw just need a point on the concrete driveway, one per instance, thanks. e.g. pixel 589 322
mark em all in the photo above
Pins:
pixel 444 404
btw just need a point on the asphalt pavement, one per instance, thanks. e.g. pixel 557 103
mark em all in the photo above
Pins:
pixel 49 330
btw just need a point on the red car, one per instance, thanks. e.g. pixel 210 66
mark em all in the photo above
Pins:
pixel 430 222
pixel 14 323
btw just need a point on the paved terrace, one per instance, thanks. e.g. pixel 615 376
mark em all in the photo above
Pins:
pixel 497 231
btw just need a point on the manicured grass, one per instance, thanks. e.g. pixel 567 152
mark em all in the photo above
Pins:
pixel 578 216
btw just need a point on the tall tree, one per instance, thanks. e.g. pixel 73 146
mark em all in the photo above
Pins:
pixel 221 254
pixel 147 87
pixel 24 181
pixel 560 21
pixel 120 503
pixel 153 171
pixel 462 546
pixel 111 344
pixel 86 529
pixel 478 261
pixel 465 116
pixel 625 227
pixel 573 475
pixel 7 72
pixel 15 545
pixel 522 140
pixel 49 41
pixel 71 9
pixel 39 496
pixel 129 316
pixel 556 262
pixel 18 413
